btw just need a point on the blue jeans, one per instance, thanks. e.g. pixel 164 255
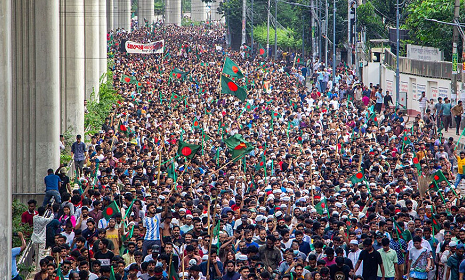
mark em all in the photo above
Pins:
pixel 458 179
pixel 48 196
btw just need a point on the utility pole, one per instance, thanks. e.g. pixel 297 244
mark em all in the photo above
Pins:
pixel 268 31
pixel 320 27
pixel 244 16
pixel 398 50
pixel 314 47
pixel 276 30
pixel 334 42
pixel 326 33
pixel 455 40
pixel 355 39
pixel 251 30
pixel 303 35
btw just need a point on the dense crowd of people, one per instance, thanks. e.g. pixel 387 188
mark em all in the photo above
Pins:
pixel 335 181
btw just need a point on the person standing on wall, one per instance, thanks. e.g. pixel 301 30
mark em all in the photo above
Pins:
pixel 457 112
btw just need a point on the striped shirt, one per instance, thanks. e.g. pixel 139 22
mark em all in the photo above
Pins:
pixel 152 225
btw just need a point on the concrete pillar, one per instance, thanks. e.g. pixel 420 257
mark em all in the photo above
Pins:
pixel 72 66
pixel 103 39
pixel 173 12
pixel 47 94
pixel 92 52
pixel 110 15
pixel 114 11
pixel 198 10
pixel 146 12
pixel 124 13
pixel 5 144
pixel 214 10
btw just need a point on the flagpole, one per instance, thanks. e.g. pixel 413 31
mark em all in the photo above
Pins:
pixel 210 233
pixel 182 173
pixel 228 163
pixel 159 157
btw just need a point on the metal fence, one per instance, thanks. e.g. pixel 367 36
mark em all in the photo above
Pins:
pixel 26 260
pixel 430 69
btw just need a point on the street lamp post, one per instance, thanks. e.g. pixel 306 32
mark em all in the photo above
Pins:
pixel 397 52
pixel 334 42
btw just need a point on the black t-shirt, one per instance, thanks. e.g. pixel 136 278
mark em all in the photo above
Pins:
pixel 339 273
pixel 64 182
pixel 104 258
pixel 371 261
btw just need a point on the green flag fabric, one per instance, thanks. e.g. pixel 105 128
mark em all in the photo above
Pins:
pixel 435 224
pixel 173 274
pixel 321 207
pixel 417 164
pixel 110 210
pixel 261 163
pixel 195 124
pixel 238 146
pixel 230 87
pixel 176 73
pixel 438 177
pixel 122 129
pixel 188 150
pixel 357 178
pixel 261 50
pixel 230 68
pixel 128 79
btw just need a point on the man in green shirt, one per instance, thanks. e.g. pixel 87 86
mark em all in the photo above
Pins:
pixel 389 257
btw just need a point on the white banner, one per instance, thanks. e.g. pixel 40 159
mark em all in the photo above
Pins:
pixel 154 47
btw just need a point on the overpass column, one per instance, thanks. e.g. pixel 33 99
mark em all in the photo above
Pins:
pixel 47 93
pixel 92 52
pixel 6 143
pixel 146 11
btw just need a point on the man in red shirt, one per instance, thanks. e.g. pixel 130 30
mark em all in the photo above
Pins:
pixel 26 217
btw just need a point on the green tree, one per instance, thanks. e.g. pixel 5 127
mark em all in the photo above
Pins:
pixel 428 33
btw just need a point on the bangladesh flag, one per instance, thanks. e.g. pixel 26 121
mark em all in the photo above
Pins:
pixel 238 146
pixel 230 87
pixel 435 224
pixel 357 178
pixel 275 115
pixel 175 96
pixel 416 162
pixel 60 275
pixel 406 140
pixel 261 50
pixel 178 74
pixel 261 163
pixel 112 274
pixel 122 128
pixel 128 79
pixel 293 104
pixel 173 273
pixel 230 68
pixel 110 210
pixel 138 84
pixel 374 119
pixel 188 150
pixel 249 107
pixel 438 177
pixel 433 186
pixel 195 124
pixel 321 206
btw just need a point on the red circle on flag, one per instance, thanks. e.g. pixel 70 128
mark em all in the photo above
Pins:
pixel 175 97
pixel 122 128
pixel 415 160
pixel 139 84
pixel 232 86
pixel 405 138
pixel 262 51
pixel 375 119
pixel 224 113
pixel 359 175
pixel 436 177
pixel 174 74
pixel 235 69
pixel 179 75
pixel 275 114
pixel 300 138
pixel 127 79
pixel 109 211
pixel 261 163
pixel 196 123
pixel 323 205
pixel 186 151
pixel 248 107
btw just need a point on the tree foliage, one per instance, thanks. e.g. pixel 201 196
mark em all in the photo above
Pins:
pixel 286 38
pixel 428 33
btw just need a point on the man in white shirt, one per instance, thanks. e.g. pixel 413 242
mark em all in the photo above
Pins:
pixel 39 223
pixel 354 254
